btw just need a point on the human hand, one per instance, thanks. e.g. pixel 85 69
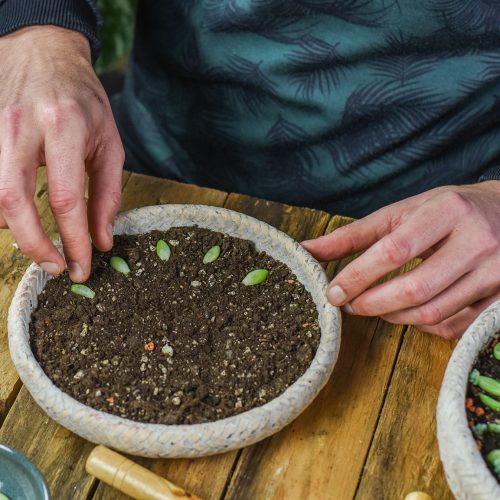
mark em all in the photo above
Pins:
pixel 54 111
pixel 455 229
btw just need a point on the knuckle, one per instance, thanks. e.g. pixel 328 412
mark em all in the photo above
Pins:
pixel 448 331
pixel 396 250
pixel 115 198
pixel 457 202
pixel 29 248
pixel 11 114
pixel 356 277
pixel 62 201
pixel 429 314
pixel 415 291
pixel 72 242
pixel 58 114
pixel 488 242
pixel 10 199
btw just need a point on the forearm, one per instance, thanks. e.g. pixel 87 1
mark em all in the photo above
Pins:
pixel 76 15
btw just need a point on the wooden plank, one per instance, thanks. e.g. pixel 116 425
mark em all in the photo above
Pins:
pixel 404 455
pixel 145 190
pixel 299 223
pixel 12 267
pixel 204 476
pixel 325 448
pixel 59 454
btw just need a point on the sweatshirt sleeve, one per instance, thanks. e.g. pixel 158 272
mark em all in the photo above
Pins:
pixel 77 15
pixel 491 174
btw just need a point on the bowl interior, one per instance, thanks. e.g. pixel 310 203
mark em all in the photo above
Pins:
pixel 19 478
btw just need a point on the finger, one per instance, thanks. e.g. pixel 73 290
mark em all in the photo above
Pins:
pixel 3 223
pixel 455 326
pixel 419 286
pixel 65 157
pixel 17 188
pixel 406 242
pixel 468 290
pixel 352 238
pixel 105 194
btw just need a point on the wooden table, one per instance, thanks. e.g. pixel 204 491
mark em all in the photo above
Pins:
pixel 369 434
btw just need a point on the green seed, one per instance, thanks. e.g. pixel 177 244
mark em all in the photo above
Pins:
pixel 212 254
pixel 491 403
pixel 493 427
pixel 488 384
pixel 255 277
pixel 493 458
pixel 3 497
pixel 480 429
pixel 163 250
pixel 118 264
pixel 83 290
pixel 496 351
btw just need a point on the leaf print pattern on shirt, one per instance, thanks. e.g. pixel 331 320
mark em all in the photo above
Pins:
pixel 317 102
pixel 466 16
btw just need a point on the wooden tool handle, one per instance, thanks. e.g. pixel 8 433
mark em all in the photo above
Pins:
pixel 418 495
pixel 130 478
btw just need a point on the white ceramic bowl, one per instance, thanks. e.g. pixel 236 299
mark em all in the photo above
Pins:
pixel 156 440
pixel 466 471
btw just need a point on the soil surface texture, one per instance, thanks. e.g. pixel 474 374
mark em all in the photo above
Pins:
pixel 477 411
pixel 177 341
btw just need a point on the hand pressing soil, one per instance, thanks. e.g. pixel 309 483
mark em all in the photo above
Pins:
pixel 178 339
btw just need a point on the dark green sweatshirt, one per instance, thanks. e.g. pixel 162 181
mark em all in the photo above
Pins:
pixel 344 105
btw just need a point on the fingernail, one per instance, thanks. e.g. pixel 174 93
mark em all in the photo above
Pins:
pixel 336 295
pixel 50 267
pixel 348 308
pixel 75 271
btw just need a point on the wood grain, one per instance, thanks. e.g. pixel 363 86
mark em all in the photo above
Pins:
pixel 404 455
pixel 59 455
pixel 299 223
pixel 325 448
pixel 12 266
pixel 144 190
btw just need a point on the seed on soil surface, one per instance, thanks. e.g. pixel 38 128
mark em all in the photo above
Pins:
pixel 493 458
pixel 176 400
pixel 491 403
pixel 488 384
pixel 119 264
pixel 496 351
pixel 255 277
pixel 211 255
pixel 83 290
pixel 163 250
pixel 78 375
pixel 481 428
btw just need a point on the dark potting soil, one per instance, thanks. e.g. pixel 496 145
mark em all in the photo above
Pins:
pixel 479 413
pixel 177 342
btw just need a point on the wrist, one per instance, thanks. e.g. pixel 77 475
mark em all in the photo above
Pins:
pixel 490 185
pixel 47 38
